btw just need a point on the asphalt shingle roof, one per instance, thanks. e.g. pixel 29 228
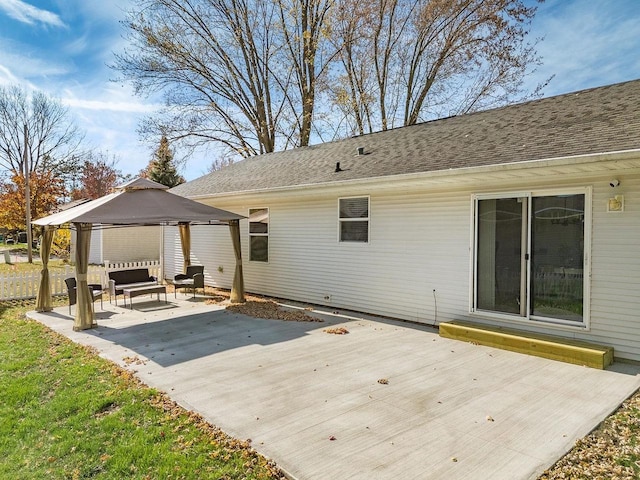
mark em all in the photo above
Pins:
pixel 597 120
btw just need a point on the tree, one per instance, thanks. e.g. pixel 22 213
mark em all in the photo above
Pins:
pixel 45 191
pixel 405 61
pixel 253 75
pixel 242 73
pixel 219 163
pixel 161 168
pixel 52 136
pixel 98 177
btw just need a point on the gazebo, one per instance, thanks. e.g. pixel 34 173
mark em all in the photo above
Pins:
pixel 139 202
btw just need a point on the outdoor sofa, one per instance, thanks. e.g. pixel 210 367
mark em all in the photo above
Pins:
pixel 121 279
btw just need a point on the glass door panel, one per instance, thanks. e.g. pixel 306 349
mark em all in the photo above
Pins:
pixel 500 260
pixel 557 260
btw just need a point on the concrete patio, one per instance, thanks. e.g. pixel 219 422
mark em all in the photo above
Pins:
pixel 312 401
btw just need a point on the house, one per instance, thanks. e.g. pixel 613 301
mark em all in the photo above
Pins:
pixel 525 216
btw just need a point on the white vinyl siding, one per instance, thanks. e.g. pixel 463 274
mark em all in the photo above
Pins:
pixel 127 244
pixel 421 255
pixel 210 246
pixel 122 244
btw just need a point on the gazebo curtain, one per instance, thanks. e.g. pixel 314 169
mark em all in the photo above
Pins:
pixel 185 242
pixel 84 308
pixel 44 302
pixel 237 289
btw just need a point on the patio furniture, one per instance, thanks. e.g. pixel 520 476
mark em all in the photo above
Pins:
pixel 131 292
pixel 96 292
pixel 121 279
pixel 193 278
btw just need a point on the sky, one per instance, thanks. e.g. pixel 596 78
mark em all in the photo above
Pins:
pixel 64 48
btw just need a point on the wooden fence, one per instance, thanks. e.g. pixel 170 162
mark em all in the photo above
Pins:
pixel 22 285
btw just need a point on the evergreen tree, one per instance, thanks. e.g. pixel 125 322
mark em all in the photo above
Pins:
pixel 161 168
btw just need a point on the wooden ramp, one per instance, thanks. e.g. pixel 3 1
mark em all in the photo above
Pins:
pixel 546 346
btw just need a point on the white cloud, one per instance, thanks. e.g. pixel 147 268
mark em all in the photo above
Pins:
pixel 26 62
pixel 123 106
pixel 25 13
pixel 6 77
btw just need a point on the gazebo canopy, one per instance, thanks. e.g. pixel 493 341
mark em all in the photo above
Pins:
pixel 139 202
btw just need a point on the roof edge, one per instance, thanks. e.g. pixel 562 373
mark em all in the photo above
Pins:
pixel 529 164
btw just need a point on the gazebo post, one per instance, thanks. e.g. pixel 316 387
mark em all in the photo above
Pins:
pixel 237 289
pixel 185 243
pixel 44 302
pixel 84 307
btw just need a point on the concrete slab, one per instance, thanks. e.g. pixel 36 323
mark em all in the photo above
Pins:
pixel 449 410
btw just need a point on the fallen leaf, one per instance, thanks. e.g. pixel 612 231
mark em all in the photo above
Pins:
pixel 337 331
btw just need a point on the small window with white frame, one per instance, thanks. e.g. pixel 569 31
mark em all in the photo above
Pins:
pixel 259 234
pixel 353 219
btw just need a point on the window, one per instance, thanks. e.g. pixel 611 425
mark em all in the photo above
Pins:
pixel 529 256
pixel 259 234
pixel 354 219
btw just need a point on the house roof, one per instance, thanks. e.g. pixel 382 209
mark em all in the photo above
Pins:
pixel 593 121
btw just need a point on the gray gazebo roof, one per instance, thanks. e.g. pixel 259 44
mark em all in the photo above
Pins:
pixel 141 202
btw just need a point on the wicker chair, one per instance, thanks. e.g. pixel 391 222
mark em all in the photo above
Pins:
pixel 195 273
pixel 96 292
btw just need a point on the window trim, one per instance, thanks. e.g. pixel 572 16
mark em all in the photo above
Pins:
pixel 249 210
pixel 367 219
pixel 533 320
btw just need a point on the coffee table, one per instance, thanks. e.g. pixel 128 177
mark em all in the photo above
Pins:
pixel 135 291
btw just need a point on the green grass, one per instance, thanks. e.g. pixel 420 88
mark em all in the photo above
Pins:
pixel 36 266
pixel 66 413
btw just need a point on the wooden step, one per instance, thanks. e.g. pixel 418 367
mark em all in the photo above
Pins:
pixel 546 346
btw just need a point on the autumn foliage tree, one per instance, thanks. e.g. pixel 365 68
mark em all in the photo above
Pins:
pixel 98 177
pixel 45 191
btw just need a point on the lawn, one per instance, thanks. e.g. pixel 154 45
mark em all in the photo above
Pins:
pixel 67 413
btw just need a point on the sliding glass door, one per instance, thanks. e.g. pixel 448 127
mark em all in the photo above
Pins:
pixel 529 256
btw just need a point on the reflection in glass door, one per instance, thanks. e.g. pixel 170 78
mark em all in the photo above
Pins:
pixel 557 247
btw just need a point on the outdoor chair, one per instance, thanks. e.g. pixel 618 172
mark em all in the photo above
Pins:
pixel 193 278
pixel 96 292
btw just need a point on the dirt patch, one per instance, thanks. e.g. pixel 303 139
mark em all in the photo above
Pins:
pixel 258 307
pixel 269 309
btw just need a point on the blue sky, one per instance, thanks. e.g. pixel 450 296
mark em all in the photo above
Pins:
pixel 63 47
